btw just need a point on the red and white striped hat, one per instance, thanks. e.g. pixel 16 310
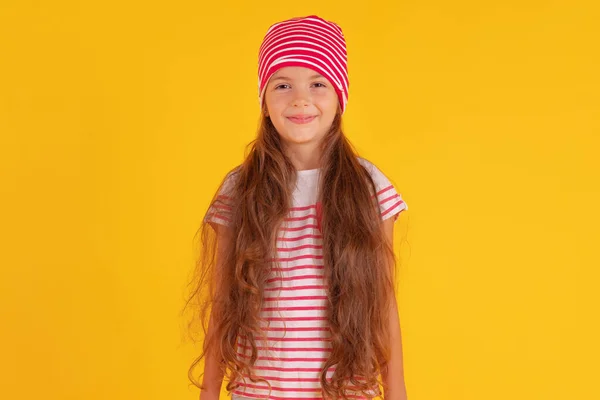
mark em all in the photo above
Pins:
pixel 310 42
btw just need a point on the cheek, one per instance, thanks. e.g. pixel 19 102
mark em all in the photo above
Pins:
pixel 327 102
pixel 274 106
pixel 329 95
pixel 278 102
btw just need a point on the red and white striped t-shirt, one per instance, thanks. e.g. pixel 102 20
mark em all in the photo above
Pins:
pixel 297 342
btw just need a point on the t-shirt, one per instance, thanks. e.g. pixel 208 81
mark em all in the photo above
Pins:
pixel 295 300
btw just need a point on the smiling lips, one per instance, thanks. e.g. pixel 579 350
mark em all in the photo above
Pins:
pixel 299 119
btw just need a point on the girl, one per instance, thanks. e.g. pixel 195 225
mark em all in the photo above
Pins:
pixel 297 264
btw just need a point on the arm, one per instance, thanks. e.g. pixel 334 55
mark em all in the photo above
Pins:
pixel 394 375
pixel 213 375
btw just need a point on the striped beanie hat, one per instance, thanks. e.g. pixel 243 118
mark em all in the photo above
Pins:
pixel 310 42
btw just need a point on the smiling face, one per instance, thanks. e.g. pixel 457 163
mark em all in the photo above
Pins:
pixel 299 91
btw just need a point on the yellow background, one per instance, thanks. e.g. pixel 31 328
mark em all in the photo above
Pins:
pixel 118 120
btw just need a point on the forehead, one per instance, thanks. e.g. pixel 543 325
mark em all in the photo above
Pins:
pixel 297 72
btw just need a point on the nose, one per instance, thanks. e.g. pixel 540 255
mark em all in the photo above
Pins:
pixel 301 98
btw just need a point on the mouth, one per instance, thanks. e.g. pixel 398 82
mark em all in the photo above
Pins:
pixel 302 120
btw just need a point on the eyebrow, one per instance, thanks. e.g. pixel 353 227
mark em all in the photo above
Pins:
pixel 317 76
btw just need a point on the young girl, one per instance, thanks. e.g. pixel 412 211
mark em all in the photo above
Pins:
pixel 299 278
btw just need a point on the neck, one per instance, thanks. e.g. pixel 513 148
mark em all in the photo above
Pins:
pixel 304 156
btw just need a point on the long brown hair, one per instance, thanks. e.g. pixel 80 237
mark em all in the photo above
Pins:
pixel 359 262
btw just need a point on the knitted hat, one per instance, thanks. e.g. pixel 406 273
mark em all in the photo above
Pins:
pixel 310 42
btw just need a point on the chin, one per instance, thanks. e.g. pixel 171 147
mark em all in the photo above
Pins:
pixel 300 139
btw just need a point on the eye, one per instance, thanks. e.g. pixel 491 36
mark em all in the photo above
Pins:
pixel 319 83
pixel 283 84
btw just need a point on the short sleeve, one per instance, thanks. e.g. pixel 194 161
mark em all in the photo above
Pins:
pixel 220 210
pixel 389 199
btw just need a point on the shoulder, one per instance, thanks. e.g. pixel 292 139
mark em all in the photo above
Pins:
pixel 390 200
pixel 220 209
pixel 229 180
pixel 233 173
pixel 379 178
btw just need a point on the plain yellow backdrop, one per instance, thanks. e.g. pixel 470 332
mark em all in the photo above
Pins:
pixel 119 118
